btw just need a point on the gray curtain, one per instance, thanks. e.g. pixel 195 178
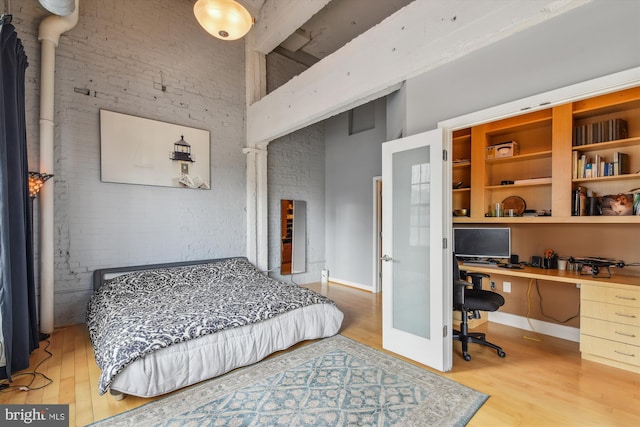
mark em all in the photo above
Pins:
pixel 17 288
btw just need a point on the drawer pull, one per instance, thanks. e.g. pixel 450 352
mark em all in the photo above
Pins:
pixel 625 334
pixel 625 354
pixel 632 316
pixel 626 298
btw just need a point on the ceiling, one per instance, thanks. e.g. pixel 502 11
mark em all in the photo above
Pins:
pixel 337 23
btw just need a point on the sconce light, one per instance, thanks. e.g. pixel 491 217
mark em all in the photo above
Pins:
pixel 224 19
pixel 36 181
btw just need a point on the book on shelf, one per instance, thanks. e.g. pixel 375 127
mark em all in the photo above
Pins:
pixel 542 180
pixel 584 167
pixel 620 163
pixel 608 130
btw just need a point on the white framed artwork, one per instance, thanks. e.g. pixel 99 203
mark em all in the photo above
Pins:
pixel 136 150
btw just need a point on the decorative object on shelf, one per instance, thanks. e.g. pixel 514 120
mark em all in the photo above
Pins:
pixel 636 200
pixel 515 203
pixel 224 19
pixel 503 149
pixel 461 212
pixel 617 205
pixel 593 265
pixel 461 162
pixel 550 260
pixel 457 185
pixel 36 181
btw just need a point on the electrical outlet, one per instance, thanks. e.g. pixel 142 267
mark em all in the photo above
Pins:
pixel 324 276
pixel 493 284
pixel 506 287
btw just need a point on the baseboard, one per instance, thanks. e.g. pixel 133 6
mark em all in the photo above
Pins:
pixel 552 329
pixel 351 284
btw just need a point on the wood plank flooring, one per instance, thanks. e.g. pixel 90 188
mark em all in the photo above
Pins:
pixel 539 383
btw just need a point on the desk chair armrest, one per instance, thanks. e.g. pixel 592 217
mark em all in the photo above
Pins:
pixel 458 291
pixel 476 278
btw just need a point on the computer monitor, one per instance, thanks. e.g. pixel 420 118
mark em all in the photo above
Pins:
pixel 482 242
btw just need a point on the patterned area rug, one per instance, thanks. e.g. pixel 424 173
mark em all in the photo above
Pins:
pixel 332 382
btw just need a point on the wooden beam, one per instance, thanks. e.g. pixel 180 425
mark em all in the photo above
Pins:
pixel 278 19
pixel 417 38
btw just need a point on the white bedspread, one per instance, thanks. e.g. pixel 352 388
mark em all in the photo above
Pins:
pixel 157 330
pixel 193 361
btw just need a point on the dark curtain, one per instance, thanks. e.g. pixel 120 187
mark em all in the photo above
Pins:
pixel 17 285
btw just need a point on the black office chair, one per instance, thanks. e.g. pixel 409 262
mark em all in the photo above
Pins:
pixel 470 301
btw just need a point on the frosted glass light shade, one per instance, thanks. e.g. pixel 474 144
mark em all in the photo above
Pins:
pixel 224 19
pixel 59 7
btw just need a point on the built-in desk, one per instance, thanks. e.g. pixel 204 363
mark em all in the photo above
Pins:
pixel 564 276
pixel 609 312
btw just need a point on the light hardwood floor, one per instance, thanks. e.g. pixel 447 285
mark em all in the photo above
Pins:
pixel 539 383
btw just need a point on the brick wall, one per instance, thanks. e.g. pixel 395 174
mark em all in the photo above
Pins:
pixel 124 53
pixel 295 169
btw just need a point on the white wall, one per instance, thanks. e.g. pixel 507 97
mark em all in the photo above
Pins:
pixel 591 41
pixel 351 163
pixel 124 53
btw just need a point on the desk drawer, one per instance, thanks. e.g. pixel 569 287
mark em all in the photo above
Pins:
pixel 610 312
pixel 609 330
pixel 620 352
pixel 628 297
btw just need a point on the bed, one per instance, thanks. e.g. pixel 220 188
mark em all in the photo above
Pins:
pixel 158 328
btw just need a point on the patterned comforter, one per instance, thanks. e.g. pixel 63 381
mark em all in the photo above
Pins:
pixel 137 313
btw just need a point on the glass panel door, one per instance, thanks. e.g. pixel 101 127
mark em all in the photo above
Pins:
pixel 414 210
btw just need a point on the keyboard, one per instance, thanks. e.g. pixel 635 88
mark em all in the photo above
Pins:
pixel 516 266
pixel 490 264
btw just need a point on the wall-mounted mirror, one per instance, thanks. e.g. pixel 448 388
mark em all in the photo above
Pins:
pixel 293 236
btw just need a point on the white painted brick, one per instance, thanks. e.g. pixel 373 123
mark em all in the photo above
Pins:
pixel 120 50
pixel 295 169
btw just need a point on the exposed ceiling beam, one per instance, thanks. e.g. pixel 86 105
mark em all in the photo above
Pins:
pixel 300 57
pixel 279 19
pixel 422 36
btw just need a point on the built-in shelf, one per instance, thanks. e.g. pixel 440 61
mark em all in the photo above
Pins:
pixel 545 149
pixel 551 220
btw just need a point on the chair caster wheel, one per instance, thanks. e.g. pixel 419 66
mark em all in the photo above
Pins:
pixel 467 357
pixel 501 353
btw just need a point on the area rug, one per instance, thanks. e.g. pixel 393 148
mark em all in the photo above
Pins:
pixel 332 382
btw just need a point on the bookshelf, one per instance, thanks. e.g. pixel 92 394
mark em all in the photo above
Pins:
pixel 461 169
pixel 612 147
pixel 544 170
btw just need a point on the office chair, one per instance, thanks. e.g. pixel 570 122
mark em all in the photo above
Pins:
pixel 469 301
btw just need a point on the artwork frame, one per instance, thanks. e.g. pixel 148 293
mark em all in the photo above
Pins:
pixel 138 150
pixel 617 204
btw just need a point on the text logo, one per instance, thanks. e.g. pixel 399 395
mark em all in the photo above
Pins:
pixel 34 415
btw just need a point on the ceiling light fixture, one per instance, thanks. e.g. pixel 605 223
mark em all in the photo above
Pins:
pixel 224 19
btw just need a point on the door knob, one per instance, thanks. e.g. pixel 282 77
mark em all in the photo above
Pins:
pixel 386 258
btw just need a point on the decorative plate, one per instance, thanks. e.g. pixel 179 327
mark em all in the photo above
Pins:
pixel 516 203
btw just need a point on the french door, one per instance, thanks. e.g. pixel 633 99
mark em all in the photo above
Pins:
pixel 416 285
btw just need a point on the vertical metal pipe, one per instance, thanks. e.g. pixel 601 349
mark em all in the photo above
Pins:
pixel 49 33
